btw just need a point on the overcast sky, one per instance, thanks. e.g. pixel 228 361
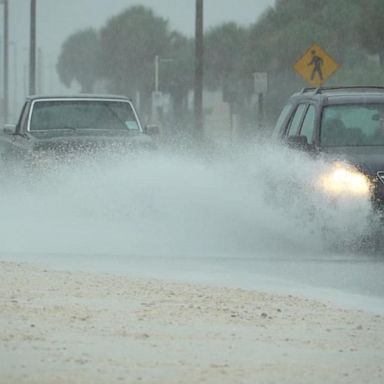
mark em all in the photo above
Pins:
pixel 57 19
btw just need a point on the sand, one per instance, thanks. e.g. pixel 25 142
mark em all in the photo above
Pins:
pixel 71 327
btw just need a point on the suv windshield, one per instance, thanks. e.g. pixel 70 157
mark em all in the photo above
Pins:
pixel 82 114
pixel 352 125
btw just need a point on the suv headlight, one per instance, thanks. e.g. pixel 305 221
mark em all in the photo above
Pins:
pixel 344 179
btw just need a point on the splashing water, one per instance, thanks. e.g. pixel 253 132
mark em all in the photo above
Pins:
pixel 258 201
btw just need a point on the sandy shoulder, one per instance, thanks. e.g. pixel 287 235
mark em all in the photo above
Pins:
pixel 63 327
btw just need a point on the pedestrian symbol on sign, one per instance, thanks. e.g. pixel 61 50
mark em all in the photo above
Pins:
pixel 317 62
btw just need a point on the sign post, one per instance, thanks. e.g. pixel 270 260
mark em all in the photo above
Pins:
pixel 316 66
pixel 260 88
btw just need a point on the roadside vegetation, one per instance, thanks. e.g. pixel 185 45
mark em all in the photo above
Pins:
pixel 120 58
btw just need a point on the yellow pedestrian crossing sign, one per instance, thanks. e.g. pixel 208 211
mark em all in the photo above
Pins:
pixel 316 66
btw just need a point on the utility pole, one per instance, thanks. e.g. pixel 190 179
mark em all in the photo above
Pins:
pixel 156 73
pixel 40 71
pixel 199 70
pixel 15 78
pixel 32 50
pixel 1 75
pixel 6 61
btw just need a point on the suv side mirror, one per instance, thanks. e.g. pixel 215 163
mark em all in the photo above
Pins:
pixel 152 130
pixel 298 142
pixel 9 129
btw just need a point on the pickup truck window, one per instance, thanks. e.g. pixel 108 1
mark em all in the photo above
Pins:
pixel 82 115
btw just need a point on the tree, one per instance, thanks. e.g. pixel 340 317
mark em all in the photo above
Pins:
pixel 225 54
pixel 370 28
pixel 79 60
pixel 284 33
pixel 177 72
pixel 130 41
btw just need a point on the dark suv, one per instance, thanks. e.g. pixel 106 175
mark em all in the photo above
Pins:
pixel 346 124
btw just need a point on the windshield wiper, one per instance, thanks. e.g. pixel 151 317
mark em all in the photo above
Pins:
pixel 64 128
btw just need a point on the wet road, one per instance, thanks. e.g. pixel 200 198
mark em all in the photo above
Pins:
pixel 352 281
pixel 222 222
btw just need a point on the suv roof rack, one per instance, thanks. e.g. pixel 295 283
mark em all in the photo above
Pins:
pixel 320 90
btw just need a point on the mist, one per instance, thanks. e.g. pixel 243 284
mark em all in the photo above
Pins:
pixel 170 204
pixel 175 232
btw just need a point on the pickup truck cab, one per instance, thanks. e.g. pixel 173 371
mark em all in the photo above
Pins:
pixel 60 125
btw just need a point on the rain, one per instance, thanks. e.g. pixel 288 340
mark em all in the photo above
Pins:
pixel 218 245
